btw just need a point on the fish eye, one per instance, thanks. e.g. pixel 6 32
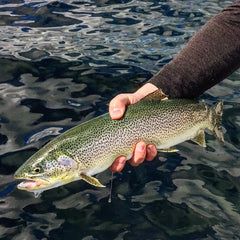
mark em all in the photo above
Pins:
pixel 37 169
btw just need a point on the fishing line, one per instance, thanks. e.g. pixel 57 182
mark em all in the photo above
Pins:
pixel 110 190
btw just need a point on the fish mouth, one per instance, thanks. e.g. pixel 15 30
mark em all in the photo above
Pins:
pixel 32 184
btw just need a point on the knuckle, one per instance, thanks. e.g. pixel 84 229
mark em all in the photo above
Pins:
pixel 151 152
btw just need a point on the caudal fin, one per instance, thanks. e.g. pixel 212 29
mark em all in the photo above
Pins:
pixel 217 111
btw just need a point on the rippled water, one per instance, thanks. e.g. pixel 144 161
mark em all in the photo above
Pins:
pixel 60 63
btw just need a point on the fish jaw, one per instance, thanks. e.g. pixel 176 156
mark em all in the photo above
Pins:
pixel 39 185
pixel 33 184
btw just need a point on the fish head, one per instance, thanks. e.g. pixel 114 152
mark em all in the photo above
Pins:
pixel 46 170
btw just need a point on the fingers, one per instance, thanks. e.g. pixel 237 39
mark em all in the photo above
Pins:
pixel 141 152
pixel 118 164
pixel 118 104
pixel 151 152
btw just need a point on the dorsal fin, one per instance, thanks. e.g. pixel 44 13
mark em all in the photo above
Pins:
pixel 157 95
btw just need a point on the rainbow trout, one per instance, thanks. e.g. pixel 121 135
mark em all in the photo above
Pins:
pixel 92 147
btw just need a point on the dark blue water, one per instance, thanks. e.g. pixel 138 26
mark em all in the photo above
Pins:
pixel 61 62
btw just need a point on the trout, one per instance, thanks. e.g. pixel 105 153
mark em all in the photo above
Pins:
pixel 92 146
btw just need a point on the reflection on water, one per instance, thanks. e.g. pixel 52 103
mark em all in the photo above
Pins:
pixel 60 63
pixel 127 32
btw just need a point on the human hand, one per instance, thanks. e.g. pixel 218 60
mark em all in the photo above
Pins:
pixel 117 108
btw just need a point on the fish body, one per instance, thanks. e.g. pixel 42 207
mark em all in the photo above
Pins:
pixel 92 147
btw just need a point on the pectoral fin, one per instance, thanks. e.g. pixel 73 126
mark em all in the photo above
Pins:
pixel 91 180
pixel 200 139
pixel 168 150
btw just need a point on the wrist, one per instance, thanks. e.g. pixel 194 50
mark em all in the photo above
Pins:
pixel 144 91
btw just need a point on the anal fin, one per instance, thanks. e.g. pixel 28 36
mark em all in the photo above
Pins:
pixel 169 150
pixel 91 180
pixel 200 139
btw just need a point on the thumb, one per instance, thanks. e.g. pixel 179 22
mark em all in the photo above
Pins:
pixel 118 105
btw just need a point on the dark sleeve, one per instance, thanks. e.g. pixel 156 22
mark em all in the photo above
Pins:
pixel 209 57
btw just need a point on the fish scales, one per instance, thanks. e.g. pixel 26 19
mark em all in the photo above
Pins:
pixel 102 139
pixel 91 147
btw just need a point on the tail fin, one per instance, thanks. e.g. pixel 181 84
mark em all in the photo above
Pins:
pixel 217 112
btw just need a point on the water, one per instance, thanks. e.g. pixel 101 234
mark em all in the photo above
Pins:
pixel 61 62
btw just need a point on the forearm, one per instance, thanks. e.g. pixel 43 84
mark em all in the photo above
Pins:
pixel 209 57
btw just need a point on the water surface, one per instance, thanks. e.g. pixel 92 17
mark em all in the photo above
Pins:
pixel 61 62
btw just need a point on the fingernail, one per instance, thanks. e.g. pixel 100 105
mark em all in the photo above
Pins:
pixel 149 149
pixel 142 148
pixel 122 160
pixel 117 111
